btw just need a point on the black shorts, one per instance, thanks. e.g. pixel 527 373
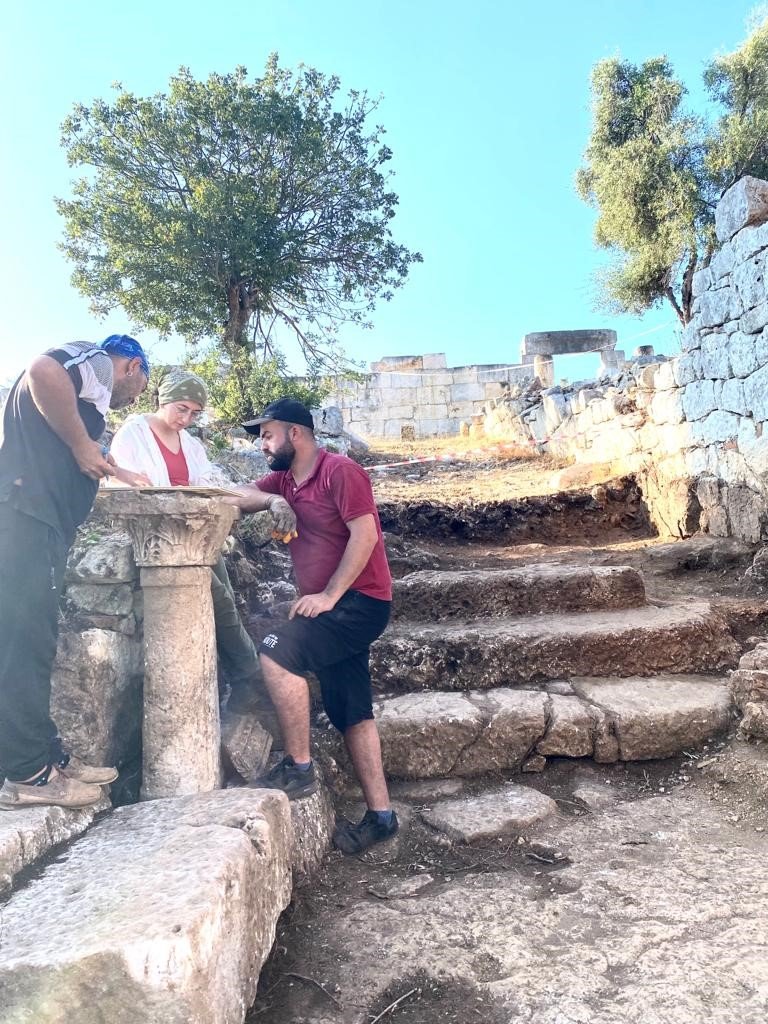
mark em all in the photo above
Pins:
pixel 334 645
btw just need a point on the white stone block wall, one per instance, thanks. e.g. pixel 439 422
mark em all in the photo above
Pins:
pixel 421 394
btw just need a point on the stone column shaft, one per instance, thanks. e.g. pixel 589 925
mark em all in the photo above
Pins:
pixel 181 732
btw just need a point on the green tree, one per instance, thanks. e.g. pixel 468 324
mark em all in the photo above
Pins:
pixel 654 171
pixel 236 396
pixel 234 209
pixel 738 83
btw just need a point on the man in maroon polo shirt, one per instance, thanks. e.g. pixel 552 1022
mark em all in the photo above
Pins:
pixel 346 593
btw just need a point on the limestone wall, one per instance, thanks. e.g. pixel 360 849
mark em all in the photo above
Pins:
pixel 691 427
pixel 419 396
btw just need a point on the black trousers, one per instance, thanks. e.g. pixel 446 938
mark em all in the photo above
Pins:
pixel 32 563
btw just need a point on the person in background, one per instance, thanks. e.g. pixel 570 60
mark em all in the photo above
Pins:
pixel 346 593
pixel 51 461
pixel 159 446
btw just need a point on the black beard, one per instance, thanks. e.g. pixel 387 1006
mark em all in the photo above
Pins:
pixel 282 459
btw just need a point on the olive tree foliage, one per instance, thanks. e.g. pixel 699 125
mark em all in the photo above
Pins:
pixel 655 171
pixel 738 83
pixel 235 209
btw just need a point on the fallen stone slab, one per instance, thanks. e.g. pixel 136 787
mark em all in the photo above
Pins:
pixel 660 716
pixel 507 652
pixel 29 834
pixel 432 596
pixel 509 810
pixel 164 913
pixel 245 743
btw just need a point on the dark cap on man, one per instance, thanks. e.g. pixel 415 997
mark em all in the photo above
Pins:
pixel 286 410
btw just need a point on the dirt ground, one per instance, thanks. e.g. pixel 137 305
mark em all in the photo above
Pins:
pixel 641 908
pixel 464 470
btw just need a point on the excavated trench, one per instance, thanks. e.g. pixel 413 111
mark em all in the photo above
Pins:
pixel 633 899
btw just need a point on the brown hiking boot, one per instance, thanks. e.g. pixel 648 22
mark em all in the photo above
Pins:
pixel 74 768
pixel 57 792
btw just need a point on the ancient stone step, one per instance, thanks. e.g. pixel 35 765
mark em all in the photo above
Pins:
pixel 163 913
pixel 442 734
pixel 506 652
pixel 524 591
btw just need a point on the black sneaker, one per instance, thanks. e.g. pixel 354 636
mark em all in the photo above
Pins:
pixel 294 782
pixel 351 838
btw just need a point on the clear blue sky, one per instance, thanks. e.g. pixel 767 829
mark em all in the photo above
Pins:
pixel 486 106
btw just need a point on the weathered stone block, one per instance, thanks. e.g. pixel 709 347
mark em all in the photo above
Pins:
pixel 721 265
pixel 667 407
pixel 756 393
pixel 659 716
pixel 745 513
pixel 571 727
pixel 108 559
pixel 169 909
pixel 754 446
pixel 666 375
pixel 732 396
pixel 423 734
pixel 749 280
pixel 742 353
pixel 717 427
pixel 434 361
pixel 754 724
pixel 715 521
pixel 27 835
pixel 104 599
pixel 755 319
pixel 702 280
pixel 96 694
pixel 472 392
pixel 687 368
pixel 690 338
pixel 744 203
pixel 719 306
pixel 699 399
pixel 402 412
pixel 513 721
pixel 708 491
pixel 245 743
pixel 714 356
pixel 749 241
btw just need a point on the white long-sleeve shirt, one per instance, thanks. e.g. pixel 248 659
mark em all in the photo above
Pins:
pixel 134 447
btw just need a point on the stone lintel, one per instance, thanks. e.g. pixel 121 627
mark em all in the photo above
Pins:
pixel 550 343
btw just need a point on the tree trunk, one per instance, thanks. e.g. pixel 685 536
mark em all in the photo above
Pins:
pixel 687 289
pixel 236 327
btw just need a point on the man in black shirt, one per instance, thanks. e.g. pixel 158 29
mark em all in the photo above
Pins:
pixel 51 461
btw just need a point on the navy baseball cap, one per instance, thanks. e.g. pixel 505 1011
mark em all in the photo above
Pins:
pixel 287 410
pixel 124 345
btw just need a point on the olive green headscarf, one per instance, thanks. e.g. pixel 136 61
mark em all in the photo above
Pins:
pixel 182 386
